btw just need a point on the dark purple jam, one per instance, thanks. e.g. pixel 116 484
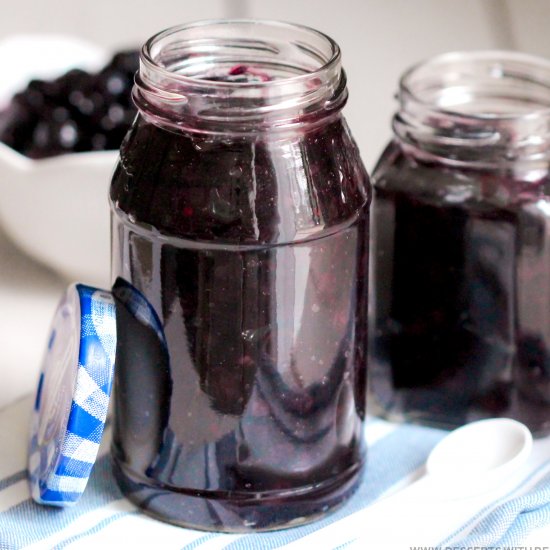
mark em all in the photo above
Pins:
pixel 240 269
pixel 461 284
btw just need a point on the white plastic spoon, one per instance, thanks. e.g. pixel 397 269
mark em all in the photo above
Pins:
pixel 479 457
pixel 471 467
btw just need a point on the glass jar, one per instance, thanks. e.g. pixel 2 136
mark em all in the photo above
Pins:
pixel 240 230
pixel 461 244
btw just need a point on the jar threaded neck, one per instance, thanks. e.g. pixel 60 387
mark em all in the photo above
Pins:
pixel 483 109
pixel 239 76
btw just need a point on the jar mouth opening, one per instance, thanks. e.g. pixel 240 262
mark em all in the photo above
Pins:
pixel 483 108
pixel 205 52
pixel 227 76
pixel 487 85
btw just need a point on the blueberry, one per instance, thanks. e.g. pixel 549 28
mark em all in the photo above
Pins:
pixel 99 142
pixel 68 134
pixel 60 114
pixel 127 61
pixel 41 136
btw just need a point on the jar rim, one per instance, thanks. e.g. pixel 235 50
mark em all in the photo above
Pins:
pixel 483 108
pixel 528 61
pixel 291 75
pixel 147 57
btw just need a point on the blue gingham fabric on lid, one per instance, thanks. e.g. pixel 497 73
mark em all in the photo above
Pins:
pixel 72 399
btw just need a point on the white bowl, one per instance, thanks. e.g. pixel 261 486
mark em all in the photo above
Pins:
pixel 55 209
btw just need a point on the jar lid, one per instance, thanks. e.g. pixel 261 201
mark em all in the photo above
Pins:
pixel 73 393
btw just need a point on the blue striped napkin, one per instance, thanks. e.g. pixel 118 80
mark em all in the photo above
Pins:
pixel 104 519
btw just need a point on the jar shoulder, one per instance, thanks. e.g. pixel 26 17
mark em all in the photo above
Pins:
pixel 401 173
pixel 257 189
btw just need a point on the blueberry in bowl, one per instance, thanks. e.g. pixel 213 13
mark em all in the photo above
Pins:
pixel 77 112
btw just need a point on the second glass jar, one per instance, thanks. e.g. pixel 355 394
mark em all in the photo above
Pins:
pixel 461 253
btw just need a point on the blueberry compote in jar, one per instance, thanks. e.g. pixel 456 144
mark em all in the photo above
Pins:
pixel 240 232
pixel 461 244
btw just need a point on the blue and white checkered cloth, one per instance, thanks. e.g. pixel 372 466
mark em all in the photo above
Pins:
pixel 104 519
